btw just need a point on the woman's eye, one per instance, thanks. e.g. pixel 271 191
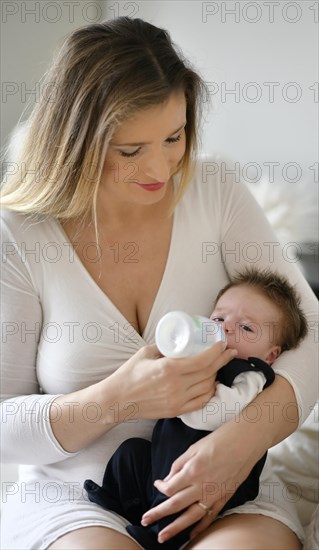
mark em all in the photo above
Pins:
pixel 175 139
pixel 218 319
pixel 130 155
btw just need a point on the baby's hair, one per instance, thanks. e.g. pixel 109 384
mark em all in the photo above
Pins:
pixel 280 292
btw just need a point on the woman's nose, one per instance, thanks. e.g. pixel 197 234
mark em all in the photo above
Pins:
pixel 157 168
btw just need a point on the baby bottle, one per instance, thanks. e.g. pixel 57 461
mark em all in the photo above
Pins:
pixel 179 334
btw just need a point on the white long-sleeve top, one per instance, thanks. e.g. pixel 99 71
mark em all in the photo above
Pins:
pixel 61 333
pixel 227 402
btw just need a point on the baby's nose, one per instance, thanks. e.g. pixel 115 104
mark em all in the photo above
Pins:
pixel 228 327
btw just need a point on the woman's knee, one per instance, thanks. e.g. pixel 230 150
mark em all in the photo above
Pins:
pixel 246 532
pixel 94 538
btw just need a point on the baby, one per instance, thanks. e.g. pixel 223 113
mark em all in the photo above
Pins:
pixel 261 316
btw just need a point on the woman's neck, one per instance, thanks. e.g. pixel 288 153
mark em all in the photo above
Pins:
pixel 113 213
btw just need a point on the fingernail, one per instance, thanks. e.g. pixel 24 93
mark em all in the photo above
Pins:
pixel 145 522
pixel 163 536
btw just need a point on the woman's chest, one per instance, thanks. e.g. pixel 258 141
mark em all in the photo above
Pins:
pixel 92 301
pixel 128 268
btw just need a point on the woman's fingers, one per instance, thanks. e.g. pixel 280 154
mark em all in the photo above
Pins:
pixel 177 465
pixel 173 386
pixel 172 505
pixel 172 485
pixel 190 482
pixel 192 515
pixel 149 352
pixel 205 522
pixel 212 358
pixel 199 381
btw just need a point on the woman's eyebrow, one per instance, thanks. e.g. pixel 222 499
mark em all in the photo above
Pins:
pixel 139 144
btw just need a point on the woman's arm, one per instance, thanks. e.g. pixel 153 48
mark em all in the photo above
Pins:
pixel 247 239
pixel 26 432
pixel 211 469
pixel 171 387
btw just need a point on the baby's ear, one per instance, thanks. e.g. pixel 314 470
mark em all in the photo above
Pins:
pixel 273 353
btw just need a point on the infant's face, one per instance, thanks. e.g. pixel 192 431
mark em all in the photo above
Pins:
pixel 250 321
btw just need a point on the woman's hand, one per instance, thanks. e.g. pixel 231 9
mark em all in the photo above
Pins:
pixel 208 472
pixel 160 387
pixel 147 386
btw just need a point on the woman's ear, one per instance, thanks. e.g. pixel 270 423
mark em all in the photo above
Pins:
pixel 272 355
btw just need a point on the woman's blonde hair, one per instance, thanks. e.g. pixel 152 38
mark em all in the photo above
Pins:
pixel 103 74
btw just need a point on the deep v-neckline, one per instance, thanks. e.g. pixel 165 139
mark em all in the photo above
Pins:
pixel 102 295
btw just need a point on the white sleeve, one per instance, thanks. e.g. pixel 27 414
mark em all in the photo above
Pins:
pixel 227 402
pixel 247 240
pixel 26 434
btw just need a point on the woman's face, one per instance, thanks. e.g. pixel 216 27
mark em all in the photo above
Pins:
pixel 144 153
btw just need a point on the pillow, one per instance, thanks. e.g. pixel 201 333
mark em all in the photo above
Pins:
pixel 296 461
pixel 292 213
pixel 312 532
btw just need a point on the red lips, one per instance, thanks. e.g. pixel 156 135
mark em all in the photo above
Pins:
pixel 152 186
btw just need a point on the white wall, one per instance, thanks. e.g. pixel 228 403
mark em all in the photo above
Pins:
pixel 30 33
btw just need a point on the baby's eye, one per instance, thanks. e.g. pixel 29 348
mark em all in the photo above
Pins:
pixel 246 328
pixel 124 154
pixel 218 319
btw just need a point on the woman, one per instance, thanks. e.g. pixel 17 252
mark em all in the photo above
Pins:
pixel 123 225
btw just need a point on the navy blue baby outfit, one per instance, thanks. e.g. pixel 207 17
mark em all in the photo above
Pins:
pixel 127 487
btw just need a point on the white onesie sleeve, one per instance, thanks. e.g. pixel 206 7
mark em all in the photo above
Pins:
pixel 227 402
pixel 26 433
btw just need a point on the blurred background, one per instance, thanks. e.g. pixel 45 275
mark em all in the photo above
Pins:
pixel 260 61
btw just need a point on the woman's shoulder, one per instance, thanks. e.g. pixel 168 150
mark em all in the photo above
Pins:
pixel 212 172
pixel 18 226
pixel 208 183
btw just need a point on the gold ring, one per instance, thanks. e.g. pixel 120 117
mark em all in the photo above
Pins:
pixel 204 507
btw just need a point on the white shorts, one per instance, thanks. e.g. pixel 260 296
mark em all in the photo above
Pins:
pixel 35 523
pixel 275 500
